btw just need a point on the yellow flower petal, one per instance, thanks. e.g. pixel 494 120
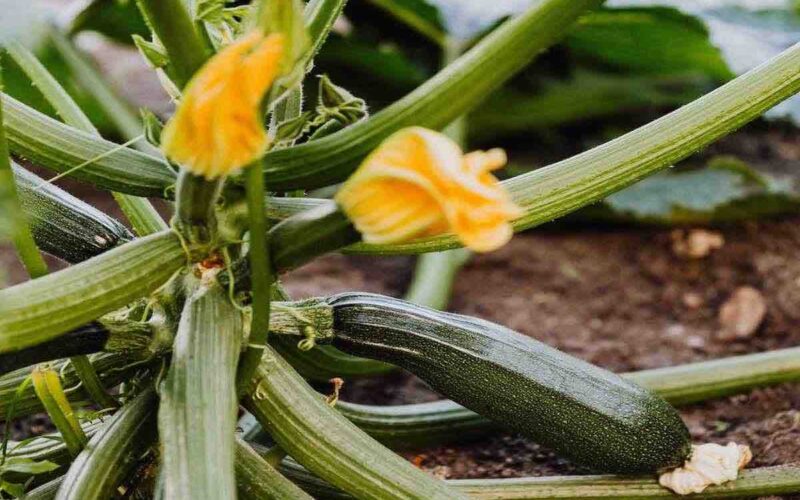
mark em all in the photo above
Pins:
pixel 218 126
pixel 419 183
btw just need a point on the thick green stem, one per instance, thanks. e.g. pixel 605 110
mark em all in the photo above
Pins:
pixel 195 212
pixel 13 218
pixel 314 433
pixel 113 452
pixel 257 480
pixel 42 309
pixel 49 143
pixel 143 217
pixel 261 278
pixel 434 274
pixel 197 417
pixel 752 482
pixel 173 25
pixel 437 102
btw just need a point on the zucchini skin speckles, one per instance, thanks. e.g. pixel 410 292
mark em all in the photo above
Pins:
pixel 583 412
pixel 63 225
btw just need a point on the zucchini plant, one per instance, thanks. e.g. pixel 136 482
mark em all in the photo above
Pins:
pixel 170 329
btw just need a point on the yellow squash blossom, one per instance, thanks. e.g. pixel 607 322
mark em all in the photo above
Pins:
pixel 218 125
pixel 419 183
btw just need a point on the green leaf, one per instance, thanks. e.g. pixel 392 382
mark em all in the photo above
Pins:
pixel 584 95
pixel 746 32
pixel 118 20
pixel 153 52
pixel 211 11
pixel 420 15
pixel 648 40
pixel 16 490
pixel 28 466
pixel 727 190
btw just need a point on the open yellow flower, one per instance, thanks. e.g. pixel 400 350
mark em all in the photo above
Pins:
pixel 218 126
pixel 419 183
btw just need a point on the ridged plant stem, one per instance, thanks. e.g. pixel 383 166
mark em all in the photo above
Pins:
pixel 173 25
pixel 325 442
pixel 141 214
pixel 760 482
pixel 12 219
pixel 261 278
pixel 40 310
pixel 113 452
pixel 197 416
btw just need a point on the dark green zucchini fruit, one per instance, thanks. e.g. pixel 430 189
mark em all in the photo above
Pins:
pixel 63 225
pixel 583 412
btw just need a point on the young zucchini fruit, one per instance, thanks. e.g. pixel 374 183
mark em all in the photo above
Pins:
pixel 585 413
pixel 63 225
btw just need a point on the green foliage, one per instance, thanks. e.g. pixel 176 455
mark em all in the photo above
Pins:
pixel 653 41
pixel 727 190
pixel 116 19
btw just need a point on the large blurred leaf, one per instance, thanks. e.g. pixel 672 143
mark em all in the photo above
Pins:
pixel 586 95
pixel 648 40
pixel 30 24
pixel 381 72
pixel 725 191
pixel 116 19
pixel 747 32
pixel 417 14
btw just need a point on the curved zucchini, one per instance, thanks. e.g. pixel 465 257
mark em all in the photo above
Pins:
pixel 585 413
pixel 63 225
pixel 440 422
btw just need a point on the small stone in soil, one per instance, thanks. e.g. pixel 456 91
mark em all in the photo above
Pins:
pixel 742 314
pixel 696 243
